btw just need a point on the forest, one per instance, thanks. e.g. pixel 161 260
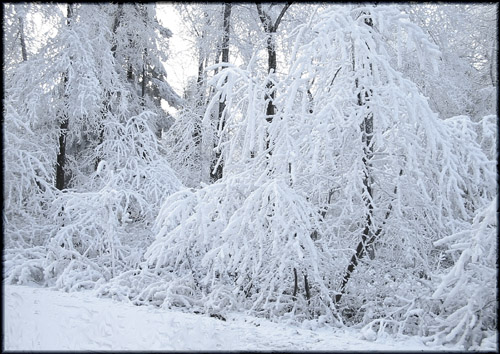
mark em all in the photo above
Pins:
pixel 331 163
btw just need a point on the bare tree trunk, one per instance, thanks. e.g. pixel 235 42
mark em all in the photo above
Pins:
pixel 493 61
pixel 219 166
pixel 21 37
pixel 105 108
pixel 361 249
pixel 199 98
pixel 270 29
pixel 61 156
pixel 295 283
pixel 116 23
pixel 367 237
pixel 144 77
pixel 306 285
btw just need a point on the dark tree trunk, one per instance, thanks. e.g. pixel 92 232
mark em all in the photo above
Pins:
pixel 295 283
pixel 116 23
pixel 200 98
pixel 306 285
pixel 217 173
pixel 361 249
pixel 200 92
pixel 144 77
pixel 106 103
pixel 21 38
pixel 271 63
pixel 368 236
pixel 270 29
pixel 200 80
pixel 61 156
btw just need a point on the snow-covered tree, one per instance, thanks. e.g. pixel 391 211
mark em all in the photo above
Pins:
pixel 209 24
pixel 74 101
pixel 140 44
pixel 466 82
pixel 357 164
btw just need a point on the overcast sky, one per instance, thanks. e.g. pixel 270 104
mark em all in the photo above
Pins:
pixel 182 62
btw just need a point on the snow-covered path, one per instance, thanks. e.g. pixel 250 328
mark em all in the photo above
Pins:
pixel 43 319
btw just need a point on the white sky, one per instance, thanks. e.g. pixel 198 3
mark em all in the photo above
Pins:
pixel 182 61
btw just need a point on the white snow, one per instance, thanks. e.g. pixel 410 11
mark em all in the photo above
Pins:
pixel 45 319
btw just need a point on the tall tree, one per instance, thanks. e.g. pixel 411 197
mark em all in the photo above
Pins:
pixel 216 171
pixel 77 77
pixel 364 96
pixel 270 28
pixel 141 46
pixel 64 121
pixel 210 25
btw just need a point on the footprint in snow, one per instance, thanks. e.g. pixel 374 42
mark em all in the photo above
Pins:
pixel 17 296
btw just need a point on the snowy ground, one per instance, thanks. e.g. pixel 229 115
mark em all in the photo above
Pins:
pixel 43 319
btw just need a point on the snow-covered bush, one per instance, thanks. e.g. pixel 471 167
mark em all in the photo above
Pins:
pixel 89 240
pixel 28 173
pixel 183 147
pixel 231 251
pixel 467 290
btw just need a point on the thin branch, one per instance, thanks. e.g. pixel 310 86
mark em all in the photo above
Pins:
pixel 361 248
pixel 278 20
pixel 335 76
pixel 264 18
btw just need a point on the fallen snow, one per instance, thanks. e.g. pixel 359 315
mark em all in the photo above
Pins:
pixel 44 319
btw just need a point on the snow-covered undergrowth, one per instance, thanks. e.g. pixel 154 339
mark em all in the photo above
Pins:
pixel 467 291
pixel 200 252
pixel 102 228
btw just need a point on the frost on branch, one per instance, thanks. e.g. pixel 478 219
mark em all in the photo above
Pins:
pixel 400 188
pixel 241 245
pixel 467 290
pixel 92 235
